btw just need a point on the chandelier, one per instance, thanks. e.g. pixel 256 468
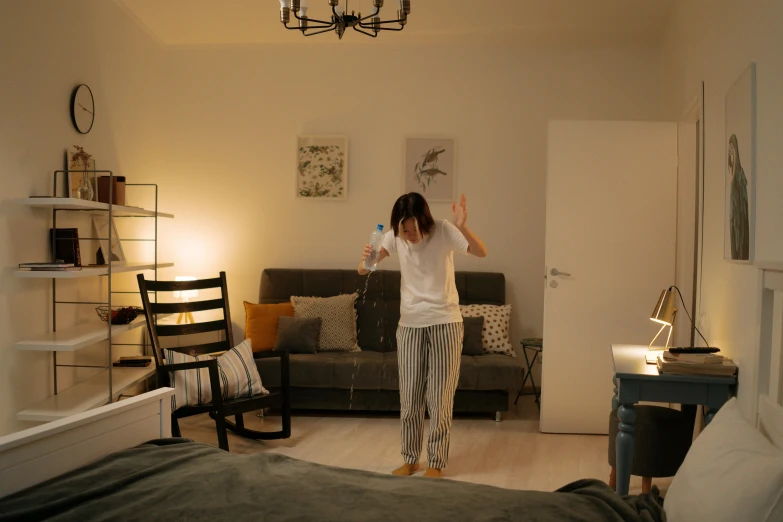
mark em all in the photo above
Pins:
pixel 369 25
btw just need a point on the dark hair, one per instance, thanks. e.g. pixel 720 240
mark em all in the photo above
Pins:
pixel 412 205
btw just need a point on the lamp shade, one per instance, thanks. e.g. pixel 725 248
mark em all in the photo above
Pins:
pixel 664 308
pixel 185 294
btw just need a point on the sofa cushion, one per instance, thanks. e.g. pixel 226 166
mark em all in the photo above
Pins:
pixel 357 373
pixel 471 341
pixel 239 377
pixel 378 309
pixel 495 333
pixel 261 323
pixel 298 335
pixel 362 370
pixel 379 371
pixel 499 372
pixel 338 320
pixel 306 370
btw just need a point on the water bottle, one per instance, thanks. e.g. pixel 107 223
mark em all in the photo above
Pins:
pixel 376 239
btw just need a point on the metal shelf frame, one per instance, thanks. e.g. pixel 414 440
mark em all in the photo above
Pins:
pixel 109 263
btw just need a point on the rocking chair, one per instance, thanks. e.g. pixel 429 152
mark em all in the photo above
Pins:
pixel 219 408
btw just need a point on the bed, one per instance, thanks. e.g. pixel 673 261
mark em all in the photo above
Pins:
pixel 119 462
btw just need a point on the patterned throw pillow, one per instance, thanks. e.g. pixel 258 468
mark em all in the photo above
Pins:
pixel 338 320
pixel 237 372
pixel 495 333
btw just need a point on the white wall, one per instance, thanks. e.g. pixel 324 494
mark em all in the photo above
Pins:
pixel 47 48
pixel 235 113
pixel 714 41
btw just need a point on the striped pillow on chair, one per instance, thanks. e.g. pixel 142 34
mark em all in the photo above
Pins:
pixel 239 377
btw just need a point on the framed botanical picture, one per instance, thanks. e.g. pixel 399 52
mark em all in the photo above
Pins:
pixel 322 167
pixel 740 164
pixel 431 168
pixel 100 224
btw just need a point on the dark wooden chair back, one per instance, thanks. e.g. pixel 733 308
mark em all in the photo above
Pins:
pixel 158 331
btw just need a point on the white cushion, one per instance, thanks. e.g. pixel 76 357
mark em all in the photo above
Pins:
pixel 237 370
pixel 731 473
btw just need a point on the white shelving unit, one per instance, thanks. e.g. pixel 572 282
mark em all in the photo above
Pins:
pixel 109 382
pixel 89 271
pixel 80 204
pixel 78 337
pixel 89 393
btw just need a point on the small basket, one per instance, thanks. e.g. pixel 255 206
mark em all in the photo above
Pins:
pixel 119 315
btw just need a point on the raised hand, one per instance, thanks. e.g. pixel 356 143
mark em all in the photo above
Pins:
pixel 459 213
pixel 367 252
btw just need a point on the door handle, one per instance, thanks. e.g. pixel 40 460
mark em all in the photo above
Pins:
pixel 556 272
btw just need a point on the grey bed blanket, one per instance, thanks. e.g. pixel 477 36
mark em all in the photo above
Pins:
pixel 176 479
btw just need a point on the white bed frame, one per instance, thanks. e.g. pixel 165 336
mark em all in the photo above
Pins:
pixel 32 456
pixel 767 374
pixel 38 454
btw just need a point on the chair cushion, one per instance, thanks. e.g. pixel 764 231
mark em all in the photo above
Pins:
pixel 338 316
pixel 261 323
pixel 495 332
pixel 732 472
pixel 237 372
pixel 298 335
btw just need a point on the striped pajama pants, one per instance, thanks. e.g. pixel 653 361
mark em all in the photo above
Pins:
pixel 429 362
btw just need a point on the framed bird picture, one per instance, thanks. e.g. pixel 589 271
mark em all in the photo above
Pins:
pixel 431 168
pixel 740 164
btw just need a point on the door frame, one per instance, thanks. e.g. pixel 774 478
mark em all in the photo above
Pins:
pixel 694 113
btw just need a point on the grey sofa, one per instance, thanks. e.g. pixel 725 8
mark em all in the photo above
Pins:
pixel 368 380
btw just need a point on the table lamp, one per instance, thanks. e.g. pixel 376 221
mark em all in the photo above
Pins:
pixel 664 313
pixel 185 295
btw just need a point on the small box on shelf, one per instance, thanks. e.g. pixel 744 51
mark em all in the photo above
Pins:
pixel 118 189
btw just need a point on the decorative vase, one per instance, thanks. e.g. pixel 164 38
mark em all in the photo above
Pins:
pixel 86 191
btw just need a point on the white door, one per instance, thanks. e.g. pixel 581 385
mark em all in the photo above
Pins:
pixel 610 224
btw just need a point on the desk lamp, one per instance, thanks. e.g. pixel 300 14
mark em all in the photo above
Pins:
pixel 664 313
pixel 185 295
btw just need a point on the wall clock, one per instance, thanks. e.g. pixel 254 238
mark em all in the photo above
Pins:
pixel 82 109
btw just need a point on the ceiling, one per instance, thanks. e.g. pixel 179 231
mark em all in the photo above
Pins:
pixel 565 23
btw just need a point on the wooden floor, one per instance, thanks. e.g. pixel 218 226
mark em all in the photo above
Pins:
pixel 511 454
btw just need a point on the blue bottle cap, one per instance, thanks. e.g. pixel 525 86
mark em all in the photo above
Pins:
pixel 380 227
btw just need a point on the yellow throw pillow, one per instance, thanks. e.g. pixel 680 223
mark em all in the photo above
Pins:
pixel 261 322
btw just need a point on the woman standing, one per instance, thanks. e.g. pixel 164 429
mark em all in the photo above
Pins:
pixel 429 335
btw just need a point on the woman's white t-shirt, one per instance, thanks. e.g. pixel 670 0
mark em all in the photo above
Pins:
pixel 428 293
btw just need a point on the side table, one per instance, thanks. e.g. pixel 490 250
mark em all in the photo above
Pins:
pixel 537 345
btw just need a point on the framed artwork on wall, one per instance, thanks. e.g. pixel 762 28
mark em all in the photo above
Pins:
pixel 740 165
pixel 322 167
pixel 431 167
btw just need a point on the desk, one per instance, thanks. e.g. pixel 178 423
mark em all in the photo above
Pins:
pixel 636 381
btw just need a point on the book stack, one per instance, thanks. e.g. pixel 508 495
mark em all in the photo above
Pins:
pixel 696 364
pixel 134 361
